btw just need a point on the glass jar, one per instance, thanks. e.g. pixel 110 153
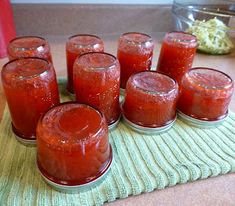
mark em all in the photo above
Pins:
pixel 150 102
pixel 177 54
pixel 75 47
pixel 97 83
pixel 205 96
pixel 135 52
pixel 73 150
pixel 31 89
pixel 29 46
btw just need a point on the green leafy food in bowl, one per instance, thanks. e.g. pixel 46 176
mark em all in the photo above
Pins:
pixel 212 36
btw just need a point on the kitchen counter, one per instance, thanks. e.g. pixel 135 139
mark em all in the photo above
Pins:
pixel 212 191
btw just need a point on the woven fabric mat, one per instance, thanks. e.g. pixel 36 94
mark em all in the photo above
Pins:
pixel 141 164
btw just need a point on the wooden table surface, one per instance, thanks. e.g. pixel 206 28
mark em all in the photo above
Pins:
pixel 212 191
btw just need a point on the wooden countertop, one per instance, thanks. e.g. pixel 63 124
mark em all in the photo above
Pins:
pixel 212 191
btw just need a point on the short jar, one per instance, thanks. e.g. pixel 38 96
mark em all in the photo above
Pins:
pixel 205 96
pixel 150 102
pixel 73 150
pixel 97 83
pixel 31 89
pixel 76 46
pixel 135 52
pixel 29 46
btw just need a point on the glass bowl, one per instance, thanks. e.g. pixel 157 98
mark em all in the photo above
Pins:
pixel 212 21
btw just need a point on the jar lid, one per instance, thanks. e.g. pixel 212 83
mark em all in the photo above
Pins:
pixel 200 123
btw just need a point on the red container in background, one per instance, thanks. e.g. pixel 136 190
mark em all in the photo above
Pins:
pixel 7 27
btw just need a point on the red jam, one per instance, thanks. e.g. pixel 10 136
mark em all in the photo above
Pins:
pixel 75 47
pixel 206 94
pixel 135 52
pixel 177 54
pixel 150 99
pixel 29 46
pixel 72 144
pixel 31 89
pixel 97 83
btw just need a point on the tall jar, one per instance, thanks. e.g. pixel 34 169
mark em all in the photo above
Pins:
pixel 76 46
pixel 97 83
pixel 31 89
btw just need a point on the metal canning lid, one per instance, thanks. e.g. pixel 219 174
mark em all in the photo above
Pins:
pixel 200 123
pixel 114 125
pixel 26 142
pixel 80 187
pixel 148 130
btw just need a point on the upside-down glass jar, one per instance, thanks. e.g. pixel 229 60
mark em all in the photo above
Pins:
pixel 29 46
pixel 177 54
pixel 205 97
pixel 97 83
pixel 31 89
pixel 135 52
pixel 75 47
pixel 150 102
pixel 73 150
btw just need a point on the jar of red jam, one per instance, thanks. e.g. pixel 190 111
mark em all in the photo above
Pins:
pixel 31 89
pixel 75 47
pixel 97 83
pixel 150 102
pixel 135 52
pixel 177 54
pixel 73 150
pixel 29 46
pixel 205 96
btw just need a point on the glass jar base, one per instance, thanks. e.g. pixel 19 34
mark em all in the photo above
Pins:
pixel 114 125
pixel 147 130
pixel 200 123
pixel 79 187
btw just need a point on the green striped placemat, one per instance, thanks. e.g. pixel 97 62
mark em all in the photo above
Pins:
pixel 141 164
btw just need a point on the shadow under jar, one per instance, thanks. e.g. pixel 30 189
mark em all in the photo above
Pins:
pixel 205 96
pixel 135 52
pixel 73 150
pixel 150 102
pixel 29 46
pixel 31 89
pixel 75 47
pixel 97 83
pixel 177 54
